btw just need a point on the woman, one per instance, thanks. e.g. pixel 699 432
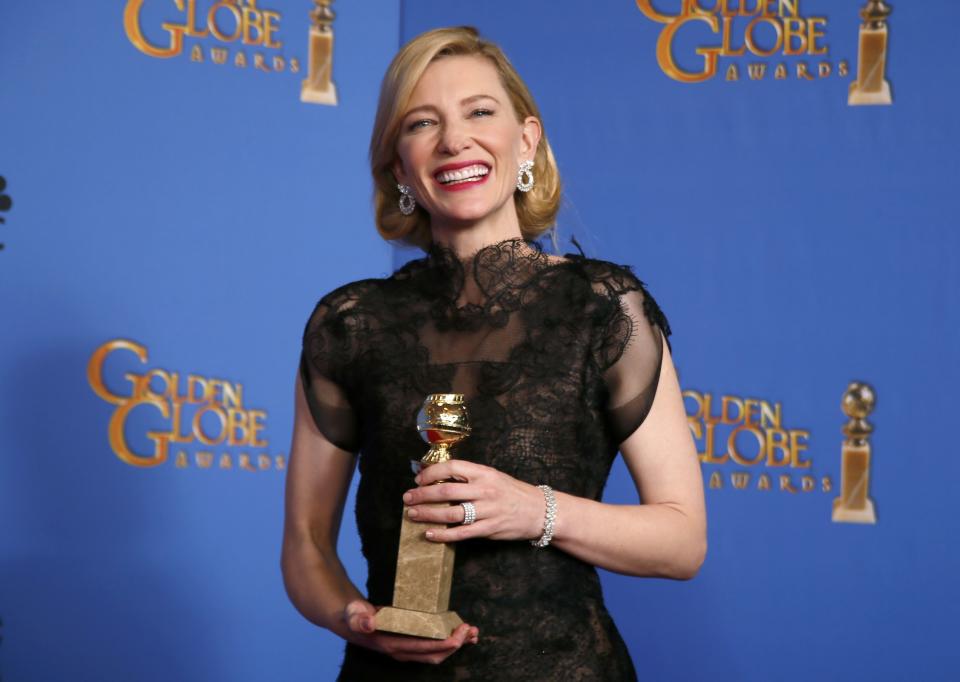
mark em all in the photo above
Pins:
pixel 560 359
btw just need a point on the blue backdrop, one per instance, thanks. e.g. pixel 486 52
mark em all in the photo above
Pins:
pixel 197 209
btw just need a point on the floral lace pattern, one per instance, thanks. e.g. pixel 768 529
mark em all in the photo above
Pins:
pixel 559 361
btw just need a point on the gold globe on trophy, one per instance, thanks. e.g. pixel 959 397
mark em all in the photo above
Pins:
pixel 421 590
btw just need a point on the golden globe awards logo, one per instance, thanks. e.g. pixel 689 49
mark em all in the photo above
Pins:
pixel 203 419
pixel 744 444
pixel 236 32
pixel 750 32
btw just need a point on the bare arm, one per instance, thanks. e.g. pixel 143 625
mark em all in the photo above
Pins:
pixel 665 536
pixel 318 478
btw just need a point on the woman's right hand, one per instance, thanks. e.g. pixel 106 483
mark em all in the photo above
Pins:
pixel 360 616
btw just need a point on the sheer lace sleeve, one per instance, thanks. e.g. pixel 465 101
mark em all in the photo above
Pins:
pixel 629 351
pixel 330 348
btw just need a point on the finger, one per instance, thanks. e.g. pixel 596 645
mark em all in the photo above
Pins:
pixel 403 645
pixel 427 513
pixel 442 492
pixel 360 616
pixel 480 529
pixel 452 468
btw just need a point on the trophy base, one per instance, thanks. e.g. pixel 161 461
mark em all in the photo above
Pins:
pixel 843 514
pixel 313 95
pixel 858 96
pixel 417 623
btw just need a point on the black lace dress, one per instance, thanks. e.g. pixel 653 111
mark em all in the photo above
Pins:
pixel 559 361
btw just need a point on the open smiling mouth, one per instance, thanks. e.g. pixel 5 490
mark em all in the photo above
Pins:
pixel 462 176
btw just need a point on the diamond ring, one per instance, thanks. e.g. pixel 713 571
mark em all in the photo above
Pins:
pixel 469 513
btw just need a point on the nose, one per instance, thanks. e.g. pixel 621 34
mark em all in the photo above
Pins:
pixel 453 139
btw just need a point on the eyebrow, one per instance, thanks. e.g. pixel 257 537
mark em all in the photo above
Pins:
pixel 468 100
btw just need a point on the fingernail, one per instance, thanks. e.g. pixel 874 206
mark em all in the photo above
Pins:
pixel 430 534
pixel 416 479
pixel 412 513
pixel 407 497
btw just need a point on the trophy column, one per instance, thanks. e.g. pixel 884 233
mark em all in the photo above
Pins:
pixel 421 590
pixel 854 504
pixel 871 86
pixel 318 87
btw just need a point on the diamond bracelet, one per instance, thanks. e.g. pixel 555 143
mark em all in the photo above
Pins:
pixel 551 515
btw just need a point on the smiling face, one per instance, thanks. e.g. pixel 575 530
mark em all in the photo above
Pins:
pixel 460 145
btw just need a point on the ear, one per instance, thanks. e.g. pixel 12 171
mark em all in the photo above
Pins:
pixel 398 172
pixel 530 136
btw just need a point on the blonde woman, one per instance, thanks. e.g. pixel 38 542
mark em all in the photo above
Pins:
pixel 564 361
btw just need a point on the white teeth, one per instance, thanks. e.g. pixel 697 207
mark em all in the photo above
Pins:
pixel 470 173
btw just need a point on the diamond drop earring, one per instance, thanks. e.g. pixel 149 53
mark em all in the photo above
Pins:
pixel 525 184
pixel 407 201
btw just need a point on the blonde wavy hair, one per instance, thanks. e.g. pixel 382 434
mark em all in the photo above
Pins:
pixel 536 209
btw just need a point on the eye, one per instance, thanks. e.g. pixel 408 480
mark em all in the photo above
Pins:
pixel 419 123
pixel 482 112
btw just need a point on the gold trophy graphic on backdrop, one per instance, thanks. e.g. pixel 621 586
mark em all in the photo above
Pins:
pixel 421 591
pixel 318 87
pixel 871 86
pixel 854 504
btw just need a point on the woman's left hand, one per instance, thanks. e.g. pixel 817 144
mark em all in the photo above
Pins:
pixel 507 509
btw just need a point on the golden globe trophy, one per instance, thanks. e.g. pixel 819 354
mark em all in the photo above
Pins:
pixel 871 86
pixel 421 591
pixel 318 87
pixel 854 504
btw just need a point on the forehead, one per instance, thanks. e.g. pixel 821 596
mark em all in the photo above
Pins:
pixel 457 77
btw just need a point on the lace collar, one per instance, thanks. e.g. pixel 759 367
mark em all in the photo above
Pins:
pixel 493 277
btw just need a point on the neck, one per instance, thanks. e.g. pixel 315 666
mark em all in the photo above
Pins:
pixel 467 238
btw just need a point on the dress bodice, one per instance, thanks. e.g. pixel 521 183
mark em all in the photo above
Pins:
pixel 558 360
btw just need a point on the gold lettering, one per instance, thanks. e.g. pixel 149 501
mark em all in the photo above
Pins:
pixel 203 459
pixel 780 72
pixel 794 30
pixel 757 72
pixel 281 461
pixel 796 447
pixel 777 441
pixel 665 54
pixel 716 480
pixel 815 34
pixel 95 368
pixel 258 62
pixel 182 460
pixel 823 69
pixel 263 461
pixel 214 25
pixel 218 55
pixel 119 444
pixel 770 416
pixel 750 37
pixel 732 73
pixel 240 60
pixel 786 483
pixel 763 482
pixel 843 68
pixel 740 479
pixel 131 24
pixel 807 483
pixel 826 485
pixel 198 425
pixel 802 71
pixel 732 446
pixel 225 461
